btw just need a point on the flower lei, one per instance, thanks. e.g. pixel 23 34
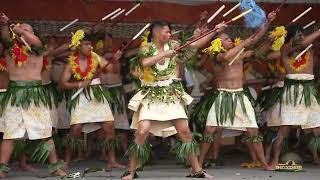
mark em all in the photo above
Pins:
pixel 46 65
pixel 279 34
pixel 150 73
pixel 300 64
pixel 144 39
pixel 76 39
pixel 3 65
pixel 19 53
pixel 237 42
pixel 92 65
pixel 277 66
pixel 216 47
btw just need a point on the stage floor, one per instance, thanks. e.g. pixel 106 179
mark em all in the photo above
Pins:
pixel 167 169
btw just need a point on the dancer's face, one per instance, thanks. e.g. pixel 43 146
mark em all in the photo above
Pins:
pixel 227 43
pixel 297 37
pixel 85 47
pixel 163 34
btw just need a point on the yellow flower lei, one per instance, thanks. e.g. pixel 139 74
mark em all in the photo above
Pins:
pixel 75 67
pixel 216 47
pixel 76 38
pixel 144 38
pixel 237 41
pixel 279 34
pixel 99 45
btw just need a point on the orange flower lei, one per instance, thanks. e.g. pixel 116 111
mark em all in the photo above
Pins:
pixel 19 53
pixel 300 64
pixel 92 65
pixel 3 65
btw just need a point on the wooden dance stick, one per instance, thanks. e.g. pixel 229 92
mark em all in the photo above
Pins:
pixel 118 14
pixel 125 47
pixel 216 14
pixel 25 43
pixel 213 30
pixel 310 24
pixel 303 52
pixel 301 15
pixel 231 10
pixel 236 57
pixel 132 9
pixel 68 25
pixel 110 14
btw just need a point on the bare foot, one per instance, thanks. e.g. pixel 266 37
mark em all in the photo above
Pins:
pixel 3 175
pixel 27 167
pixel 270 167
pixel 129 175
pixel 115 165
pixel 60 173
pixel 208 176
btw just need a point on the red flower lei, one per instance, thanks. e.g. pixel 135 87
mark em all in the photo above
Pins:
pixel 20 54
pixel 91 68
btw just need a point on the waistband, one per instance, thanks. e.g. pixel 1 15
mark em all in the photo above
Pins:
pixel 230 90
pixel 32 83
pixel 300 76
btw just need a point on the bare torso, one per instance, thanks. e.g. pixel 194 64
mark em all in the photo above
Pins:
pixel 113 76
pixel 46 73
pixel 229 77
pixel 30 70
pixel 57 69
pixel 4 80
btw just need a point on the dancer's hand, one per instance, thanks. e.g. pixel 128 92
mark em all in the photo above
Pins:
pixel 85 83
pixel 197 32
pixel 169 53
pixel 3 18
pixel 220 27
pixel 272 16
pixel 204 15
pixel 117 55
